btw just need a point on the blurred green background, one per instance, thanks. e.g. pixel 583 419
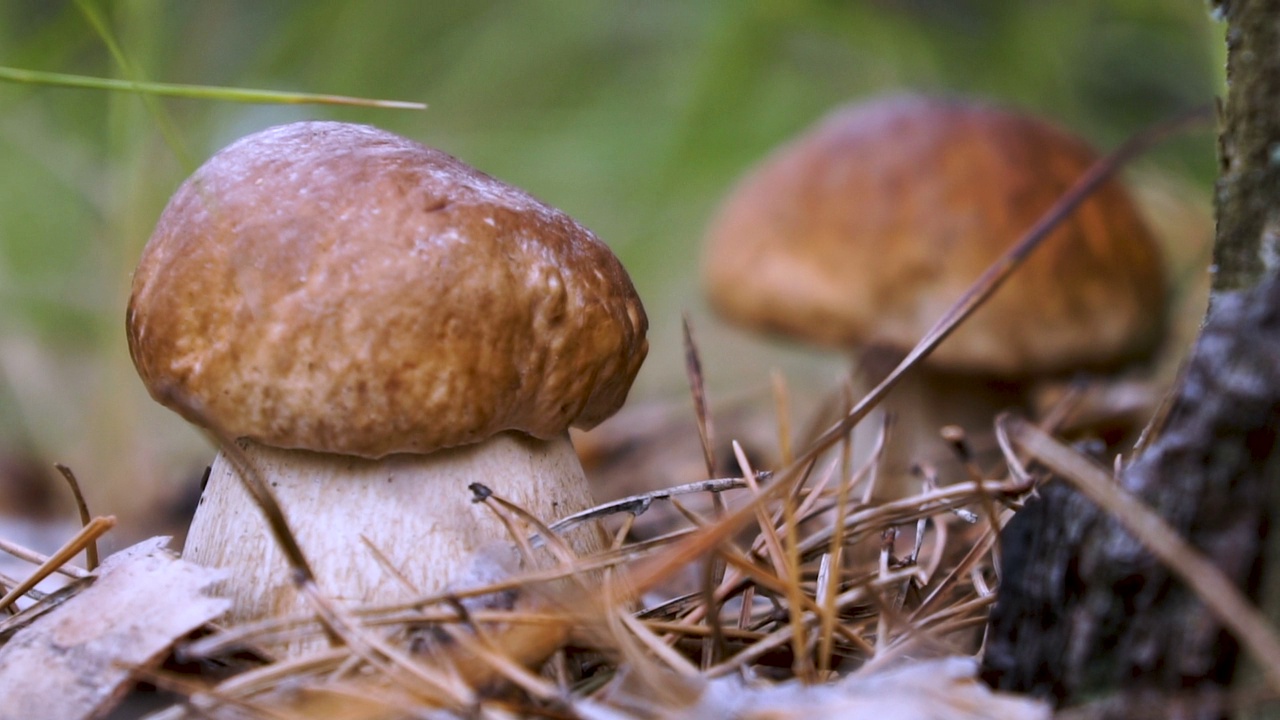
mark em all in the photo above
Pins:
pixel 635 117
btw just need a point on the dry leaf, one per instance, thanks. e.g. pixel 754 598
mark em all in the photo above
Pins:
pixel 77 659
pixel 944 689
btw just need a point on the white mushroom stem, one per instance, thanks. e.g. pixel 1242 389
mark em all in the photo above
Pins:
pixel 416 510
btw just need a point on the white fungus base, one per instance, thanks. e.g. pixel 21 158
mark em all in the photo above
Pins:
pixel 416 509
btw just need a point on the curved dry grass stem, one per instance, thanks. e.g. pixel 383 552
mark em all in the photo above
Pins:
pixel 82 507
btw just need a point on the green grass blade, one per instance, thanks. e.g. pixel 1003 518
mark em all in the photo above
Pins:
pixel 200 92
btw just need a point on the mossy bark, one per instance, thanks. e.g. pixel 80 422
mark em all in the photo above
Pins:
pixel 1248 190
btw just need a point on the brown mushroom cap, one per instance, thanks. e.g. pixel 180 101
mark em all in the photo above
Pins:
pixel 338 288
pixel 863 231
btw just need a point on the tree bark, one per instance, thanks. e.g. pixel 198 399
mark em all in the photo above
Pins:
pixel 1085 613
pixel 1247 244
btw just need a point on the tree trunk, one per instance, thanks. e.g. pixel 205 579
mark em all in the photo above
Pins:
pixel 1085 613
pixel 1248 238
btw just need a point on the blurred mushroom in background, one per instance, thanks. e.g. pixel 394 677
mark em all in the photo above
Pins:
pixel 863 231
pixel 1113 410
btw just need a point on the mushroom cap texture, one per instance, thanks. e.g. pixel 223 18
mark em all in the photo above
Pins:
pixel 863 231
pixel 338 288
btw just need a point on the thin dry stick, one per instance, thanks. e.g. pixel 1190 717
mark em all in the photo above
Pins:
pixel 190 689
pixel 480 643
pixel 786 564
pixel 782 408
pixel 846 442
pixel 875 516
pixel 91 551
pixel 801 662
pixel 748 604
pixel 638 504
pixel 835 551
pixel 835 555
pixel 643 671
pixel 94 530
pixel 910 509
pixel 887 536
pixel 540 644
pixel 976 552
pixel 646 637
pixel 250 683
pixel 757 650
pixel 697 388
pixel 387 566
pixel 770 534
pixel 325 663
pixel 778 586
pixel 713 644
pixel 691 516
pixel 1217 591
pixel 812 497
pixel 646 575
pixel 263 632
pixel 941 534
pixel 1012 458
pixel 782 636
pixel 876 460
pixel 792 477
pixel 822 594
pixel 432 684
pixel 806 509
pixel 667 627
pixel 501 506
pixel 925 636
pixel 744 570
pixel 36 558
pixel 624 530
pixel 253 482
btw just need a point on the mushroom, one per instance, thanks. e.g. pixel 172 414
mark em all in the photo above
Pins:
pixel 378 325
pixel 863 231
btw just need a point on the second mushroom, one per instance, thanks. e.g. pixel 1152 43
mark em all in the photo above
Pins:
pixel 863 231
